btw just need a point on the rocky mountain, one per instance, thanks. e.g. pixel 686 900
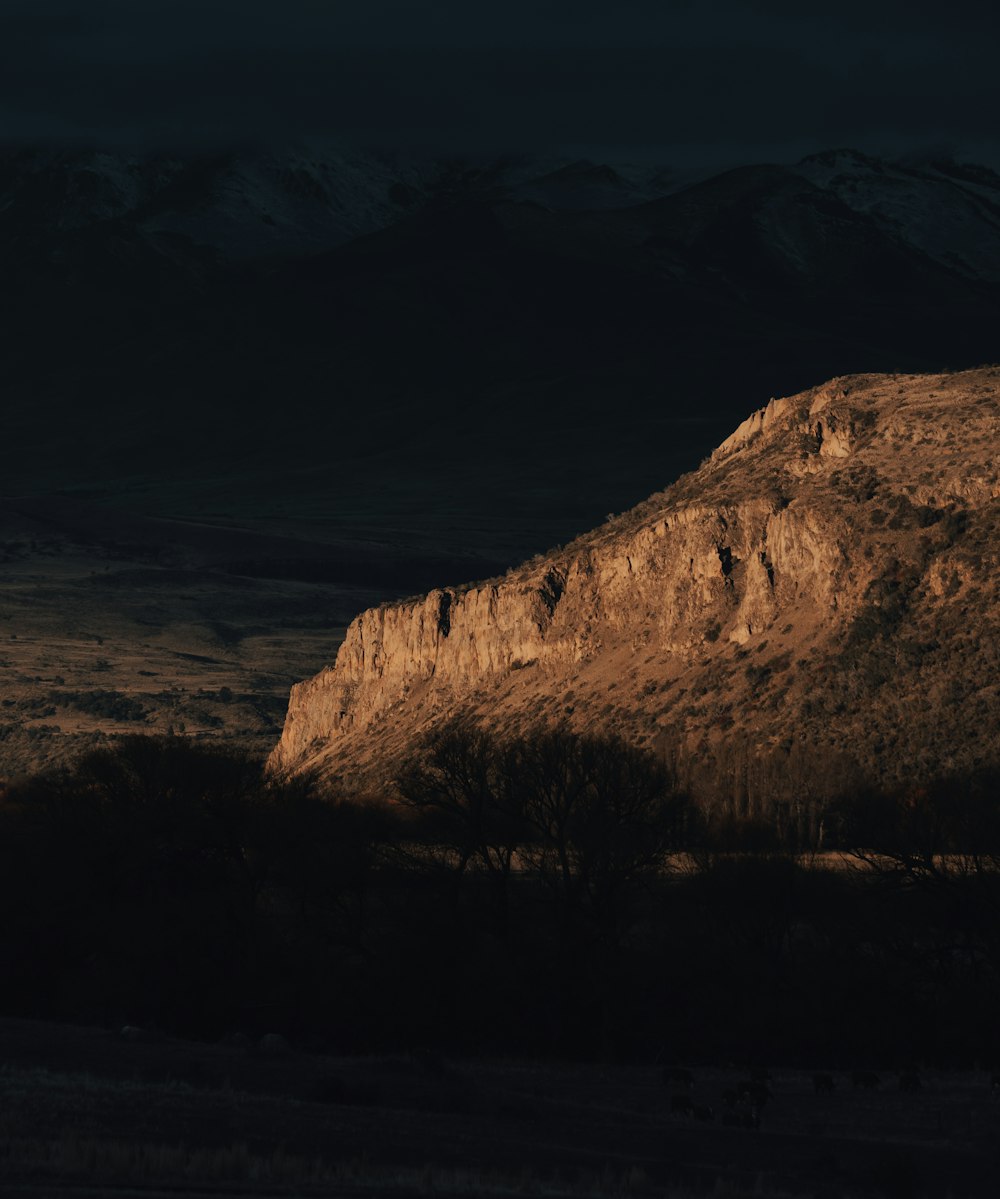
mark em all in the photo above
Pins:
pixel 815 606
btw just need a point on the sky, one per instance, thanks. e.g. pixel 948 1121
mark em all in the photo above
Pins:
pixel 712 80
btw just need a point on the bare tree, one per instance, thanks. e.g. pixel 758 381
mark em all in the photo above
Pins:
pixel 943 831
pixel 604 814
pixel 460 780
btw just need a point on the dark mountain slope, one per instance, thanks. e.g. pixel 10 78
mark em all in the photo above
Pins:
pixel 452 355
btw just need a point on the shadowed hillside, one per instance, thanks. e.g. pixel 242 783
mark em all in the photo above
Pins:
pixel 491 356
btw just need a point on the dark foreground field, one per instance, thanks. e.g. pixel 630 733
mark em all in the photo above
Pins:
pixel 88 1111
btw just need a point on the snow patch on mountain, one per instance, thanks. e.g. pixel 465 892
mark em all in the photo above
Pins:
pixel 949 212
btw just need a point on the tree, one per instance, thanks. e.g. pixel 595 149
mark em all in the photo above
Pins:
pixel 939 841
pixel 935 833
pixel 461 779
pixel 605 815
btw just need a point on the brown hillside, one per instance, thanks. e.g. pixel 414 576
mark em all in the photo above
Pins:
pixel 815 605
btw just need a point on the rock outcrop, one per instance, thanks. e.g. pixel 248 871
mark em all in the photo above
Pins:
pixel 816 605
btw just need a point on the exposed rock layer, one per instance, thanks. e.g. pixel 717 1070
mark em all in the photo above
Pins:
pixel 816 604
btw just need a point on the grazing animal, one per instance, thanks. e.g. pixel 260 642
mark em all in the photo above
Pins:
pixel 677 1076
pixel 703 1112
pixel 866 1080
pixel 823 1084
pixel 758 1093
pixel 682 1104
pixel 909 1080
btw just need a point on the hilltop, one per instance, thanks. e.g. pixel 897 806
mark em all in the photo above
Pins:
pixel 814 607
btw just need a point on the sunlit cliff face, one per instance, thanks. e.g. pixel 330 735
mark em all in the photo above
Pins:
pixel 812 605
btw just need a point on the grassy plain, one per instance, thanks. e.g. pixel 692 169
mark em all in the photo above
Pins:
pixel 86 1111
pixel 112 623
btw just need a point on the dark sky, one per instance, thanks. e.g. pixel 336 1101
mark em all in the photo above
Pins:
pixel 675 81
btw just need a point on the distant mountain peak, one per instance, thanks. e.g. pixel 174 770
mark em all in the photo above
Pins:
pixel 843 156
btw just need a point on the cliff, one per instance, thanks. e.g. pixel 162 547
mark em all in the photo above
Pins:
pixel 815 605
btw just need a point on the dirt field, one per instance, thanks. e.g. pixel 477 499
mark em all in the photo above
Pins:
pixel 85 1109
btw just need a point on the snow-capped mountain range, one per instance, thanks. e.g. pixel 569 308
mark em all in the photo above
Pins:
pixel 257 204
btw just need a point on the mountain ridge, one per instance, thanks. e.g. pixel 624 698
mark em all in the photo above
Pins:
pixel 812 608
pixel 520 350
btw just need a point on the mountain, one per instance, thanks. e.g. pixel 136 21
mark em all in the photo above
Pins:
pixel 236 205
pixel 813 608
pixel 483 358
pixel 946 210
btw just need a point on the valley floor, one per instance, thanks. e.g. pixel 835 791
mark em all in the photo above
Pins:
pixel 86 1111
pixel 113 624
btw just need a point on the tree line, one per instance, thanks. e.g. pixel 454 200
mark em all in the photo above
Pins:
pixel 543 893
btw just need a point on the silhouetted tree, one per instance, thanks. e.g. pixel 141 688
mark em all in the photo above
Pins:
pixel 604 814
pixel 947 830
pixel 317 854
pixel 940 844
pixel 461 779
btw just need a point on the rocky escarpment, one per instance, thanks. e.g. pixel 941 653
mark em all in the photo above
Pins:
pixel 816 604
